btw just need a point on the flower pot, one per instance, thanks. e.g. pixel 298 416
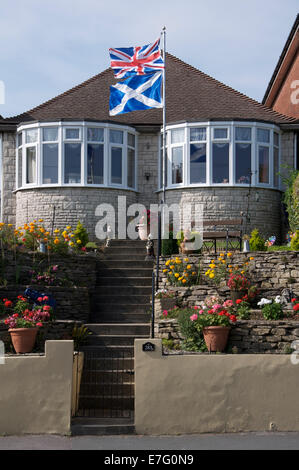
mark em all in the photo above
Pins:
pixel 143 231
pixel 237 294
pixel 23 339
pixel 216 337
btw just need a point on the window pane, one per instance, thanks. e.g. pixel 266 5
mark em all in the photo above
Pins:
pixel 276 167
pixel 72 134
pixel 19 139
pixel 31 136
pixel 198 159
pixel 263 135
pixel 177 136
pixel 276 139
pixel 116 165
pixel 95 164
pixel 263 164
pixel 220 163
pixel 50 163
pixel 161 167
pixel 243 133
pixel 30 164
pixel 131 140
pixel 20 161
pixel 116 137
pixel 72 163
pixel 131 168
pixel 95 134
pixel 177 165
pixel 50 134
pixel 220 133
pixel 243 163
pixel 197 133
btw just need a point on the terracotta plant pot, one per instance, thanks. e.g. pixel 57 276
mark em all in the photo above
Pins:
pixel 237 294
pixel 216 337
pixel 23 339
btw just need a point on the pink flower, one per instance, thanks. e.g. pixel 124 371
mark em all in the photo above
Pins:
pixel 39 299
pixel 200 312
pixel 45 299
pixel 228 303
pixel 194 317
pixel 39 324
pixel 165 313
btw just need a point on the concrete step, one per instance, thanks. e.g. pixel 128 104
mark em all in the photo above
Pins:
pixel 124 281
pixel 127 250
pixel 123 290
pixel 122 308
pixel 119 317
pixel 115 299
pixel 102 426
pixel 107 382
pixel 106 403
pixel 116 340
pixel 110 255
pixel 111 360
pixel 115 350
pixel 119 328
pixel 127 263
pixel 125 272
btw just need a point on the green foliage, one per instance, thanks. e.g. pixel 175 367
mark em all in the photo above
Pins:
pixel 170 344
pixel 91 246
pixel 243 311
pixel 193 338
pixel 295 241
pixel 257 243
pixel 169 247
pixel 291 198
pixel 272 311
pixel 81 234
pixel 80 335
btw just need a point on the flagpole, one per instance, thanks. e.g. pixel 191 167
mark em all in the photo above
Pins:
pixel 161 213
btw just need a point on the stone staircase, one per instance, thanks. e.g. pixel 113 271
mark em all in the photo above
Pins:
pixel 120 312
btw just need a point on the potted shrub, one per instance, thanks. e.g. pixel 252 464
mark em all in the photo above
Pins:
pixel 215 324
pixel 239 285
pixel 24 323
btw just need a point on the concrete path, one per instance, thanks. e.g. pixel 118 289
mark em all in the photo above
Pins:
pixel 251 441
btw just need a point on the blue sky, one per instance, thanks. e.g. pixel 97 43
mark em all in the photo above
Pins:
pixel 49 47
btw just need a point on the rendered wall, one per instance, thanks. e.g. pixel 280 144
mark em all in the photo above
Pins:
pixel 214 393
pixel 35 391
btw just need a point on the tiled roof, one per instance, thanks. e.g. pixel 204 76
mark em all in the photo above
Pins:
pixel 191 95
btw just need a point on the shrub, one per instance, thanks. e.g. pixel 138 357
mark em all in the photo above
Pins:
pixel 81 234
pixel 272 311
pixel 291 198
pixel 257 243
pixel 193 338
pixel 169 246
pixel 295 241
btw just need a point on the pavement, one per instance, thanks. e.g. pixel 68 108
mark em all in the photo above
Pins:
pixel 243 441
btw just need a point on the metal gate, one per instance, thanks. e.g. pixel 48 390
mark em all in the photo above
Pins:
pixel 104 383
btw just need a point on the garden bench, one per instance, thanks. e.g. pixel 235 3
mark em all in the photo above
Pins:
pixel 227 235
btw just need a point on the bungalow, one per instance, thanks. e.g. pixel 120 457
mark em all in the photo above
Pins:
pixel 225 150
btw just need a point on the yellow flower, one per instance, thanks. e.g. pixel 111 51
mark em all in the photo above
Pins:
pixel 9 225
pixel 213 266
pixel 180 278
pixel 42 230
pixel 207 273
pixel 56 241
pixel 229 255
pixel 251 258
pixel 64 234
pixel 68 227
pixel 212 275
pixel 189 266
pixel 164 270
pixel 72 243
pixel 242 272
pixel 178 261
pixel 221 254
pixel 223 261
pixel 176 274
pixel 167 262
pixel 184 281
pixel 56 230
pixel 193 273
pixel 79 242
pixel 186 260
pixel 186 274
pixel 172 266
pixel 41 220
pixel 2 224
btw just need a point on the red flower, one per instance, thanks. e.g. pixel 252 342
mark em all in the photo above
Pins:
pixel 233 318
pixel 8 303
pixel 45 299
pixel 39 299
pixel 46 308
pixel 39 324
pixel 296 307
pixel 238 301
pixel 294 300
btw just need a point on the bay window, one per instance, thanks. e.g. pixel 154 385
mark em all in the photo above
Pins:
pixel 80 154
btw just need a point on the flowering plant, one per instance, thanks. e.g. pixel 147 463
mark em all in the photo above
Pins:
pixel 180 272
pixel 295 303
pixel 216 316
pixel 21 315
pixel 238 282
pixel 271 310
pixel 222 268
pixel 164 294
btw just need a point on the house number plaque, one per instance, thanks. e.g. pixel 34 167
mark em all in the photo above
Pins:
pixel 148 347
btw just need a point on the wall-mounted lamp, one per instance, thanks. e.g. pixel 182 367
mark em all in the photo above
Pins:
pixel 147 175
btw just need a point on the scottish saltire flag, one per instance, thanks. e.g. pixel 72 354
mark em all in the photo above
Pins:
pixel 127 61
pixel 136 93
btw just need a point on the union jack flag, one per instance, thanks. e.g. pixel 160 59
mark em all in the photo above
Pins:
pixel 128 61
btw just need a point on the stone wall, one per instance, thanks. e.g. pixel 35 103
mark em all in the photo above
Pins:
pixel 270 271
pixel 263 206
pixel 148 153
pixel 8 201
pixel 246 336
pixel 71 204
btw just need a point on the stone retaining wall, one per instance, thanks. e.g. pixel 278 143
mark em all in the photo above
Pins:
pixel 246 336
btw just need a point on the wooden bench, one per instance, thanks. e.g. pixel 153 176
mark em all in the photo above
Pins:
pixel 227 235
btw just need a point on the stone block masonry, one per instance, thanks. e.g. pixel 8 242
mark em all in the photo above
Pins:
pixel 8 199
